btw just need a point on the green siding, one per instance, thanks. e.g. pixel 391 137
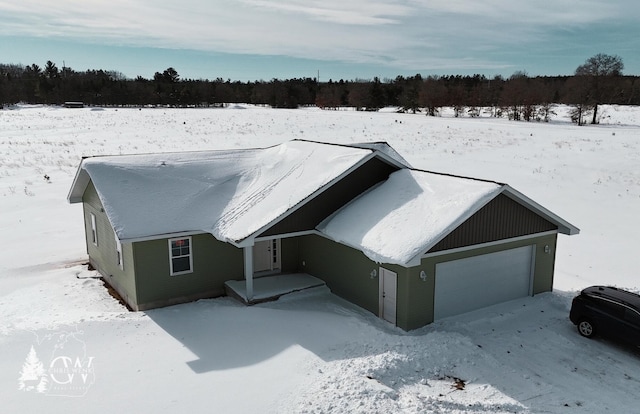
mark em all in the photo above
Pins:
pixel 346 271
pixel 214 263
pixel 146 283
pixel 290 255
pixel 545 264
pixel 103 256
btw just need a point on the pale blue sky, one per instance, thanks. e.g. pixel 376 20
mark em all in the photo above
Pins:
pixel 264 39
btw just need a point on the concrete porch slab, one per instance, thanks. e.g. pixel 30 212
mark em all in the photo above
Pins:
pixel 270 288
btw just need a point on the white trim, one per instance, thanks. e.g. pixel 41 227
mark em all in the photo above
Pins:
pixel 248 271
pixel 79 185
pixel 94 229
pixel 564 226
pixel 532 268
pixel 288 235
pixel 489 244
pixel 184 272
pixel 119 257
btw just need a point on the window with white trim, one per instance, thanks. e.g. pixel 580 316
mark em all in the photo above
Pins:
pixel 119 259
pixel 94 230
pixel 180 257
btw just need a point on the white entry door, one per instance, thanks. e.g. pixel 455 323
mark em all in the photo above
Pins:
pixel 388 288
pixel 266 255
pixel 476 282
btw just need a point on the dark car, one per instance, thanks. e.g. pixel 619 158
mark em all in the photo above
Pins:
pixel 609 312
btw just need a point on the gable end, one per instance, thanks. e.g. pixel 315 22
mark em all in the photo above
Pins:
pixel 501 218
pixel 307 217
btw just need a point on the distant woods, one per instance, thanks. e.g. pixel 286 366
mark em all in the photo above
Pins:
pixel 520 97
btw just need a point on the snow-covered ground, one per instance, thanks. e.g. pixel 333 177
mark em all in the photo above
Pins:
pixel 311 352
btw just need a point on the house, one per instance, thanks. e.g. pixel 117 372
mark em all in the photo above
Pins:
pixel 411 246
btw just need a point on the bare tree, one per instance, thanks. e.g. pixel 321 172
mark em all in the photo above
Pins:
pixel 598 71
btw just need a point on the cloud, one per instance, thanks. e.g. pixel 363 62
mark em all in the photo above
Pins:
pixel 427 34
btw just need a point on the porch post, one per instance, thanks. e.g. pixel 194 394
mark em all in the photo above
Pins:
pixel 248 271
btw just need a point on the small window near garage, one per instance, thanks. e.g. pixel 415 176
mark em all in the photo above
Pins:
pixel 119 259
pixel 94 230
pixel 180 257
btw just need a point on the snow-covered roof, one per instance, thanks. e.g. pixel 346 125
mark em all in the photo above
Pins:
pixel 230 194
pixel 235 194
pixel 401 218
pixel 386 149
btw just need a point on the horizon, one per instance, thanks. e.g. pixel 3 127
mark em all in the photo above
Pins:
pixel 253 40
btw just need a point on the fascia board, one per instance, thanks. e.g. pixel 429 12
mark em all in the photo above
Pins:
pixel 161 236
pixel 564 226
pixel 390 160
pixel 79 185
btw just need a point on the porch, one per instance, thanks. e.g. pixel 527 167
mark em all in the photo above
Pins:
pixel 270 288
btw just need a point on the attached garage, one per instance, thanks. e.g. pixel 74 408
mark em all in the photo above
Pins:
pixel 476 282
pixel 453 244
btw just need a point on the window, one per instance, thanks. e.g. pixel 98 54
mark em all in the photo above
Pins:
pixel 119 259
pixel 94 230
pixel 180 258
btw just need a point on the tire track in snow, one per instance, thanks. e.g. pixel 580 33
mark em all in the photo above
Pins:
pixel 240 208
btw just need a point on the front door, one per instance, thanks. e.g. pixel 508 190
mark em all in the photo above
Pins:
pixel 266 255
pixel 388 287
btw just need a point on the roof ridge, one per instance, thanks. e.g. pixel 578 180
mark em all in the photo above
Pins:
pixel 458 176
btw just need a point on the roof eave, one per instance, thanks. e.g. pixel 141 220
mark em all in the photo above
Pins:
pixel 564 226
pixel 79 185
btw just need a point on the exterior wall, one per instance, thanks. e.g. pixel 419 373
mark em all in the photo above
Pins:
pixel 420 295
pixel 145 281
pixel 214 263
pixel 346 271
pixel 104 257
pixel 290 255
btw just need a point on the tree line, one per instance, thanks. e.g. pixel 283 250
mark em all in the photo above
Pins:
pixel 519 97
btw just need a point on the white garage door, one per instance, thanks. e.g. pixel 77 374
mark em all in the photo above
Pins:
pixel 475 282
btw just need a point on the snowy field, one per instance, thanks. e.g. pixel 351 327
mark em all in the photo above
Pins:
pixel 312 352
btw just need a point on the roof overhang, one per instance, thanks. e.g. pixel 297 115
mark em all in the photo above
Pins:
pixel 564 226
pixel 79 185
pixel 250 240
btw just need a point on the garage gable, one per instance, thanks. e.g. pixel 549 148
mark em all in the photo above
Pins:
pixel 501 218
